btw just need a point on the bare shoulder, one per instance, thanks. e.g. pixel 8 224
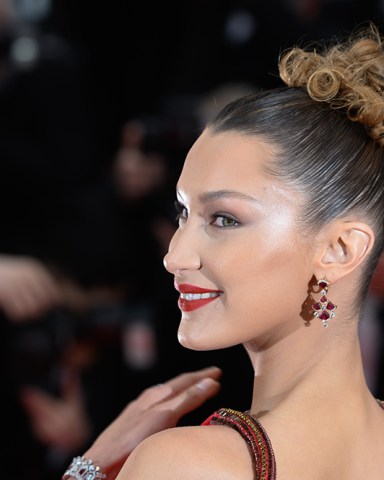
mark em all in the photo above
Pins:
pixel 191 453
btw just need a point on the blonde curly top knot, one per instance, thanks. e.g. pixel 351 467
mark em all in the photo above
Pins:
pixel 349 76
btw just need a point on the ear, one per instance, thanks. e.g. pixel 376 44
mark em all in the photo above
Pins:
pixel 343 246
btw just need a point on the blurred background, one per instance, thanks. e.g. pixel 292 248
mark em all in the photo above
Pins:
pixel 99 103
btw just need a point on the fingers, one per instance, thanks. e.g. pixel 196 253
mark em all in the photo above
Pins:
pixel 39 291
pixel 192 397
pixel 183 393
pixel 152 396
pixel 175 386
pixel 27 303
pixel 27 288
pixel 157 408
pixel 41 409
pixel 186 380
pixel 36 401
pixel 56 422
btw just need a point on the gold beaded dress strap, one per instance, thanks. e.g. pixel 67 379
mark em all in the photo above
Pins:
pixel 253 432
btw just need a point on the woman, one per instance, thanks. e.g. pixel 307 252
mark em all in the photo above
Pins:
pixel 281 224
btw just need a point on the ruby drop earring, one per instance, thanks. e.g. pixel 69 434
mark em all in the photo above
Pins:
pixel 324 308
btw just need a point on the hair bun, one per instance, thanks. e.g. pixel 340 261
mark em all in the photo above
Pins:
pixel 349 76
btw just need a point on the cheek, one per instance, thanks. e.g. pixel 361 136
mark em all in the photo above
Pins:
pixel 265 276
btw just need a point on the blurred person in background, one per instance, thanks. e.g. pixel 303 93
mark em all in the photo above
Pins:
pixel 66 269
pixel 44 147
pixel 111 326
pixel 372 332
pixel 142 179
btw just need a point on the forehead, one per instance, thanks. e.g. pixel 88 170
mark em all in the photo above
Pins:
pixel 227 161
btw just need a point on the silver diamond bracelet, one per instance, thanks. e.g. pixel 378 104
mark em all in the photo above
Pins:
pixel 83 469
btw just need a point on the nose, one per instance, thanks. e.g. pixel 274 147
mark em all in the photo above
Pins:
pixel 182 253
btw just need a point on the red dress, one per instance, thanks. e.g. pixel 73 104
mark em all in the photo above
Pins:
pixel 263 458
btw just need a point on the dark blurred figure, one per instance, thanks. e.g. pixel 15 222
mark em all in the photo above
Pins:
pixel 62 282
pixel 78 365
pixel 141 174
pixel 372 332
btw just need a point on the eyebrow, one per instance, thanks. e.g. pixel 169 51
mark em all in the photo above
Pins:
pixel 218 194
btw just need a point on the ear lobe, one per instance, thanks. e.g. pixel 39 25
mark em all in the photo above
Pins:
pixel 348 244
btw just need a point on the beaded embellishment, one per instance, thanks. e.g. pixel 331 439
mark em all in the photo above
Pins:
pixel 253 432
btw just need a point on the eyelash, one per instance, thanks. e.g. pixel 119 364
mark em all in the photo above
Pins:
pixel 235 223
pixel 182 214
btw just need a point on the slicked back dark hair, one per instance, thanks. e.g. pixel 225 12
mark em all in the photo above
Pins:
pixel 322 153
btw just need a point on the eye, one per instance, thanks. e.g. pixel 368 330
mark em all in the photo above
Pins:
pixel 182 212
pixel 224 221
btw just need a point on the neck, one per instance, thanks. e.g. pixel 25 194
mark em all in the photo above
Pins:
pixel 307 367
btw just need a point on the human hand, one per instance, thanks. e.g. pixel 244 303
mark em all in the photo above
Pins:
pixel 58 422
pixel 157 408
pixel 27 288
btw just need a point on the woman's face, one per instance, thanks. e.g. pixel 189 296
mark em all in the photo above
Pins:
pixel 239 258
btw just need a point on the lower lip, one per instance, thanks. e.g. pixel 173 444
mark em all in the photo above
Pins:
pixel 189 305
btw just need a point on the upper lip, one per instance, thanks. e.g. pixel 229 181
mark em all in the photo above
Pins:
pixel 187 288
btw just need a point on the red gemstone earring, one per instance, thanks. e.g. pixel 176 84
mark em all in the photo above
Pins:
pixel 323 308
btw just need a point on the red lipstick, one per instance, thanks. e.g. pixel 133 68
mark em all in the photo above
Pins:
pixel 193 297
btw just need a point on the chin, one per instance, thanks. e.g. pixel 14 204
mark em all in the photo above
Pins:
pixel 198 344
pixel 186 342
pixel 192 342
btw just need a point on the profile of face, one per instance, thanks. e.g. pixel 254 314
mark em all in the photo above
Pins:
pixel 240 259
